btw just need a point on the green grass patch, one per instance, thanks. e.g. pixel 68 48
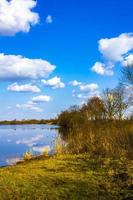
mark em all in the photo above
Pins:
pixel 68 177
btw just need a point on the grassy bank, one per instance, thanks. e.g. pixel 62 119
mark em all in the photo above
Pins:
pixel 73 177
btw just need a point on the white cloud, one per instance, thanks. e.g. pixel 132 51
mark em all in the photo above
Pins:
pixel 128 61
pixel 86 91
pixel 41 99
pixel 23 88
pixel 33 103
pixel 29 106
pixel 75 83
pixel 85 96
pixel 88 87
pixel 19 67
pixel 114 49
pixel 49 19
pixel 17 16
pixel 100 68
pixel 54 83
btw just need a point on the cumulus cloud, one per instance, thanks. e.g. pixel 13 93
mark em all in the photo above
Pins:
pixel 23 88
pixel 128 61
pixel 29 106
pixel 41 99
pixel 100 68
pixel 88 87
pixel 19 67
pixel 75 83
pixel 114 49
pixel 86 96
pixel 49 19
pixel 86 91
pixel 33 103
pixel 17 16
pixel 54 83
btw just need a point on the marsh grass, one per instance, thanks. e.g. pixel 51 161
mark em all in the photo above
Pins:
pixel 27 156
pixel 101 139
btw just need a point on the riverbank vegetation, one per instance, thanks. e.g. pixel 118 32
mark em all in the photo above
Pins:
pixel 103 126
pixel 112 139
pixel 98 128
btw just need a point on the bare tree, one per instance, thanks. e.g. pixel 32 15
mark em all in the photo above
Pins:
pixel 127 75
pixel 127 83
pixel 114 103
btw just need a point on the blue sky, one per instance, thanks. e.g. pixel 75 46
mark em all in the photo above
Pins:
pixel 54 54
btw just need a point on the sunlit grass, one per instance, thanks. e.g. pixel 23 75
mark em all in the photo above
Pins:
pixel 73 177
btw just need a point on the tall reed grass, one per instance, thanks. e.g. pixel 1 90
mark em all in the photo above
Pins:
pixel 100 138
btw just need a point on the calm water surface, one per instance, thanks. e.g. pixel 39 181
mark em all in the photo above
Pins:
pixel 15 140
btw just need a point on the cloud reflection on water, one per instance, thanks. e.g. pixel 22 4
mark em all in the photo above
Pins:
pixel 31 141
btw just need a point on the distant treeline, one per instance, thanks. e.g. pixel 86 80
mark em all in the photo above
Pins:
pixel 30 121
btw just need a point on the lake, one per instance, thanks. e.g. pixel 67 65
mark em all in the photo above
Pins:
pixel 15 140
